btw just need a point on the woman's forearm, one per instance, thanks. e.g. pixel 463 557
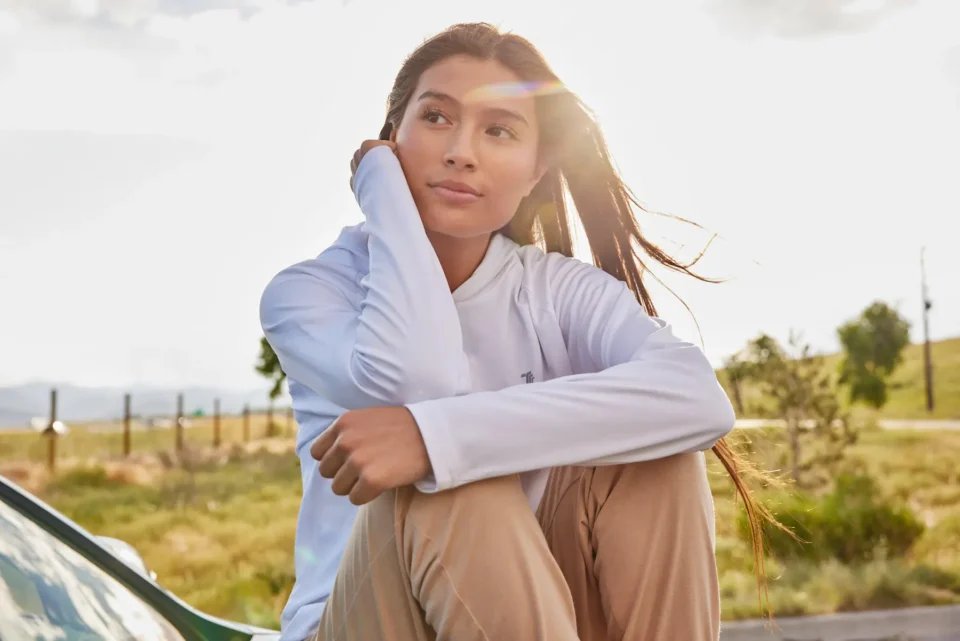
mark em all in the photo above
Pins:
pixel 390 338
pixel 665 401
pixel 408 339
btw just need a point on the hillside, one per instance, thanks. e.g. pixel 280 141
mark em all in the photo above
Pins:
pixel 907 398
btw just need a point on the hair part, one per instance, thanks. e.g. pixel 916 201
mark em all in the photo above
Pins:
pixel 578 162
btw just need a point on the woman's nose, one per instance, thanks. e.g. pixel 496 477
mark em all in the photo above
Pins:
pixel 460 153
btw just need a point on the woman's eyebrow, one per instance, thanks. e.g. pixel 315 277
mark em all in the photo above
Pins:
pixel 506 114
pixel 437 95
pixel 497 111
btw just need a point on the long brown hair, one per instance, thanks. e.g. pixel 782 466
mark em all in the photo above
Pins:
pixel 576 153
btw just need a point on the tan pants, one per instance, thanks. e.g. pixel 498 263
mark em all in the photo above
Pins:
pixel 619 552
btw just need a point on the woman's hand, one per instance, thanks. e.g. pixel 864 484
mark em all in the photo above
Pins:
pixel 369 451
pixel 364 148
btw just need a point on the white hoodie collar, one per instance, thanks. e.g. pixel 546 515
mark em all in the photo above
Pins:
pixel 499 252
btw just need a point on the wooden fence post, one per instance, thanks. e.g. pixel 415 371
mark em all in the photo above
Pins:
pixel 51 433
pixel 246 423
pixel 216 422
pixel 126 425
pixel 179 424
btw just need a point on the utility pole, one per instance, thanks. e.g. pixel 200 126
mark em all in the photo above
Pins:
pixel 927 359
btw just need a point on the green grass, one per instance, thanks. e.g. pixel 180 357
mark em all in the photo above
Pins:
pixel 907 391
pixel 220 536
pixel 916 467
pixel 220 533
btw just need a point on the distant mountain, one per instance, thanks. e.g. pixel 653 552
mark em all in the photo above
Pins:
pixel 20 403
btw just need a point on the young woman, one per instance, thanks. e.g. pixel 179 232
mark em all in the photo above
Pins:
pixel 522 436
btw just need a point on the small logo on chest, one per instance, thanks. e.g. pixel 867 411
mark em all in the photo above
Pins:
pixel 527 377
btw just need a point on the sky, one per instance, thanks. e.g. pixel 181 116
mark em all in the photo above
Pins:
pixel 161 160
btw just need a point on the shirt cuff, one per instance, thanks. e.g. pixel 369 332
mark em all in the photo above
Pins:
pixel 376 157
pixel 440 448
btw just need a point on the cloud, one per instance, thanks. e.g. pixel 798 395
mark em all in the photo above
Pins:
pixel 109 65
pixel 125 13
pixel 57 181
pixel 806 18
pixel 130 27
pixel 156 66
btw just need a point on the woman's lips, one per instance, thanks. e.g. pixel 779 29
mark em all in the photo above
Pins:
pixel 455 195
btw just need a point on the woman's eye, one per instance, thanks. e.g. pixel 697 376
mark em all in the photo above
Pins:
pixel 435 117
pixel 501 132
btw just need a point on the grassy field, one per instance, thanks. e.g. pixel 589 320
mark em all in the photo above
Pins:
pixel 907 393
pixel 915 468
pixel 218 527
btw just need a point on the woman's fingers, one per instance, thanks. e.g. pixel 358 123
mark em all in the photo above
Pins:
pixel 365 147
pixel 327 450
pixel 357 157
pixel 325 441
pixel 364 492
pixel 332 462
pixel 345 479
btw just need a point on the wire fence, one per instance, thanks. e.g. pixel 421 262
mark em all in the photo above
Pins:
pixel 51 440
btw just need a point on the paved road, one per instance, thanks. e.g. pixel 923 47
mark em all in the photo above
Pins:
pixel 941 623
pixel 889 424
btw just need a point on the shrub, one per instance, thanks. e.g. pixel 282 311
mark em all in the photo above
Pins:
pixel 82 478
pixel 852 524
pixel 800 514
pixel 859 526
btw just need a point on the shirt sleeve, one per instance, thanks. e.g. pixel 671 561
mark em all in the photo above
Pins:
pixel 639 393
pixel 400 340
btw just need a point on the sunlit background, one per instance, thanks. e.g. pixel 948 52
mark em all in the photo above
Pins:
pixel 160 160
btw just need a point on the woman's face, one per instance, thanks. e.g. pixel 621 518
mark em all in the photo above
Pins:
pixel 469 152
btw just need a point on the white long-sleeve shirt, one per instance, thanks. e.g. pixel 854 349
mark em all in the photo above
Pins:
pixel 537 360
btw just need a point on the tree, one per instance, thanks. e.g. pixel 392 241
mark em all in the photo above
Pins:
pixel 804 397
pixel 269 367
pixel 873 348
pixel 737 371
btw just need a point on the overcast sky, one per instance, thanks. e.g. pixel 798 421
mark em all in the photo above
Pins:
pixel 160 160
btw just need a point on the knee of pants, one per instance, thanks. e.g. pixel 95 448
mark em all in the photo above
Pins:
pixel 496 496
pixel 492 510
pixel 682 477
